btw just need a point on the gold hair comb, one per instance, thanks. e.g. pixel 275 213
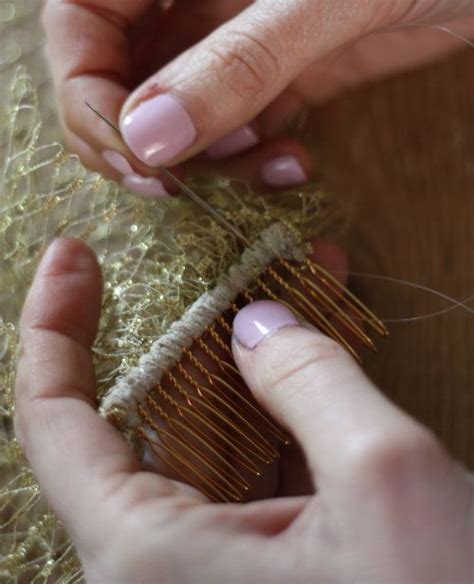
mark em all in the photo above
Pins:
pixel 186 404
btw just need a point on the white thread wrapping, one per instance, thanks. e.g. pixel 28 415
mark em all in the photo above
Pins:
pixel 130 389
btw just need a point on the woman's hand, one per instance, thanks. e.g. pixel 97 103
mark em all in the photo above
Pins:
pixel 390 506
pixel 222 75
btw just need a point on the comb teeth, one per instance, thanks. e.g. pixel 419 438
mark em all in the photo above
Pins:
pixel 201 420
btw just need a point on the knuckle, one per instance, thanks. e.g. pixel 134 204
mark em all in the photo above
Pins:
pixel 384 460
pixel 316 354
pixel 246 64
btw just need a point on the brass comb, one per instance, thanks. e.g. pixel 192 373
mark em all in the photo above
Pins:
pixel 196 416
pixel 200 420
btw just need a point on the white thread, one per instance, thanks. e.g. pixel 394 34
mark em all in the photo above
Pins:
pixel 275 241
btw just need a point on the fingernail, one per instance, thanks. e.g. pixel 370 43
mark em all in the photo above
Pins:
pixel 284 171
pixel 256 321
pixel 148 187
pixel 158 130
pixel 117 161
pixel 238 141
pixel 67 255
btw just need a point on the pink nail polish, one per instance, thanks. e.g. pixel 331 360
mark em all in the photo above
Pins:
pixel 148 187
pixel 258 320
pixel 238 141
pixel 284 171
pixel 158 130
pixel 117 161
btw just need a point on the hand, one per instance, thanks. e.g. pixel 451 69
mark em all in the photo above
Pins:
pixel 391 506
pixel 222 74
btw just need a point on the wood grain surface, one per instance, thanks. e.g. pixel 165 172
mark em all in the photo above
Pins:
pixel 400 153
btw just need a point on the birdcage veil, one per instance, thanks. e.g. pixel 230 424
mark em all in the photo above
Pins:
pixel 158 257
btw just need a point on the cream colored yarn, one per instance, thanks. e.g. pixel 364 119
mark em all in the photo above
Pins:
pixel 130 389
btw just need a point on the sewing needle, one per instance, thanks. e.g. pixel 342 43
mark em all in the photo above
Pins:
pixel 183 187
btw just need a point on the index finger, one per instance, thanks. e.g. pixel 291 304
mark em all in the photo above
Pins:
pixel 89 55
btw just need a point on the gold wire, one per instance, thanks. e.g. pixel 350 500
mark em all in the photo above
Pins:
pixel 313 312
pixel 203 400
pixel 140 432
pixel 235 410
pixel 247 441
pixel 217 338
pixel 185 412
pixel 234 453
pixel 266 290
pixel 223 365
pixel 198 436
pixel 207 395
pixel 215 380
pixel 187 446
pixel 240 385
pixel 224 324
pixel 147 418
pixel 351 300
pixel 320 296
pixel 230 494
pixel 164 434
pixel 248 297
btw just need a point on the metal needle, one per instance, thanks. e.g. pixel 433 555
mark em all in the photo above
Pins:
pixel 183 187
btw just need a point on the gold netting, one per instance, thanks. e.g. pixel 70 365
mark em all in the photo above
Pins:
pixel 157 258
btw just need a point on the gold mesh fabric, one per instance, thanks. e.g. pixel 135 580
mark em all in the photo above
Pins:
pixel 157 258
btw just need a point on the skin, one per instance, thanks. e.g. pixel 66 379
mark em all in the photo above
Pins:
pixel 239 61
pixel 389 505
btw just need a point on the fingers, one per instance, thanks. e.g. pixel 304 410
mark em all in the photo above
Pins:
pixel 210 96
pixel 344 425
pixel 226 80
pixel 78 458
pixel 280 163
pixel 88 50
pixel 88 53
pixel 332 258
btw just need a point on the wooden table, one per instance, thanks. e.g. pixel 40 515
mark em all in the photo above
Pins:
pixel 401 153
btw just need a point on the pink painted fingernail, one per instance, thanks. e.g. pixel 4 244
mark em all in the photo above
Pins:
pixel 148 187
pixel 117 161
pixel 284 171
pixel 256 321
pixel 238 141
pixel 158 130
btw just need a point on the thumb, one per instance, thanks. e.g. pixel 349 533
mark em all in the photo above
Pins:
pixel 227 79
pixel 346 428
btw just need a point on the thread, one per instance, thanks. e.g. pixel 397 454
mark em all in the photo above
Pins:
pixel 443 29
pixel 454 303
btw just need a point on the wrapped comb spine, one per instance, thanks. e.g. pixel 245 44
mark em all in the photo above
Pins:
pixel 186 401
pixel 130 390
